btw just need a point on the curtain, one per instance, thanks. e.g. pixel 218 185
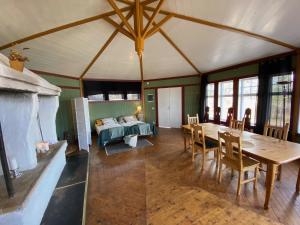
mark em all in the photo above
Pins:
pixel 267 70
pixel 202 97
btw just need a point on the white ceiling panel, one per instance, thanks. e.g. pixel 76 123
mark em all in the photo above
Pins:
pixel 162 60
pixel 23 18
pixel 278 19
pixel 119 61
pixel 69 51
pixel 210 48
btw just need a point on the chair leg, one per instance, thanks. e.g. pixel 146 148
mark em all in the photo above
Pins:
pixel 193 153
pixel 238 193
pixel 255 176
pixel 220 172
pixel 279 172
pixel 203 158
pixel 217 160
pixel 232 173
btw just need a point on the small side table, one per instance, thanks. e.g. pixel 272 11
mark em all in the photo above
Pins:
pixel 131 140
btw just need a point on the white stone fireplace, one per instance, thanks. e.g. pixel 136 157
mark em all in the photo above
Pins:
pixel 28 107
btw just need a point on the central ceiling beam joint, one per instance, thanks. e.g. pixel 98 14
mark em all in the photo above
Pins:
pixel 124 20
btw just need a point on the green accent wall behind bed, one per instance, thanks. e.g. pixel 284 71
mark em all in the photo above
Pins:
pixel 99 110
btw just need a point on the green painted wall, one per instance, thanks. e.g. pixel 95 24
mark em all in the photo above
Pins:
pixel 64 118
pixel 100 110
pixel 192 99
pixel 232 73
pixel 150 110
pixel 191 95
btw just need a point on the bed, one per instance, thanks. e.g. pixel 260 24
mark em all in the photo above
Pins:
pixel 110 129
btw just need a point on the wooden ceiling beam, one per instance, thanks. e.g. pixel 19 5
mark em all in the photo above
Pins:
pixel 174 45
pixel 158 25
pixel 147 2
pixel 151 20
pixel 142 84
pixel 127 2
pixel 109 40
pixel 124 20
pixel 224 27
pixel 121 29
pixel 63 27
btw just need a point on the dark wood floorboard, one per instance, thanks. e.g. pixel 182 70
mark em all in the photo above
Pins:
pixel 160 185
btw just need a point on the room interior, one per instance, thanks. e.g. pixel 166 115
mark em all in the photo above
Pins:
pixel 149 112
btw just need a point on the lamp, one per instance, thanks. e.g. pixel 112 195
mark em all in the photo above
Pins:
pixel 139 113
pixel 138 109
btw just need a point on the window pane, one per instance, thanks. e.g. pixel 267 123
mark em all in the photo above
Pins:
pixel 209 100
pixel 133 96
pixel 279 102
pixel 115 97
pixel 248 90
pixel 98 97
pixel 225 98
pixel 210 104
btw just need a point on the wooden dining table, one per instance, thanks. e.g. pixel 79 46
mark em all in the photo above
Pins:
pixel 268 150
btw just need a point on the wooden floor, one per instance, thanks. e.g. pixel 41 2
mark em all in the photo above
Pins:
pixel 160 185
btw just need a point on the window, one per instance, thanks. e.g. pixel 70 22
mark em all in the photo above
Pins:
pixel 133 96
pixel 98 97
pixel 281 86
pixel 209 100
pixel 225 97
pixel 248 90
pixel 115 97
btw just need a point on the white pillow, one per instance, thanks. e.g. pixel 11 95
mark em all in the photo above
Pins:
pixel 130 119
pixel 108 121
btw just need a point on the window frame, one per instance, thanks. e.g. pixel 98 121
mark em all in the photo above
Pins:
pixel 214 100
pixel 292 94
pixel 235 94
pixel 252 125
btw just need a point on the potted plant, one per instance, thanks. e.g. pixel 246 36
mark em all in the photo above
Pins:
pixel 16 60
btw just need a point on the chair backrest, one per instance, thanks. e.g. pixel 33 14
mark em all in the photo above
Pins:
pixel 193 119
pixel 277 132
pixel 206 115
pixel 198 135
pixel 247 117
pixel 230 146
pixel 217 116
pixel 237 124
pixel 229 115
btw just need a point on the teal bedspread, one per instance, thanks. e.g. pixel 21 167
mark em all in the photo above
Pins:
pixel 107 135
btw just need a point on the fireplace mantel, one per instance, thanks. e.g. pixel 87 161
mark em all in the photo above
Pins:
pixel 26 81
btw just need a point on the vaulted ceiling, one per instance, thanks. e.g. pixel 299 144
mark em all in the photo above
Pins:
pixel 89 38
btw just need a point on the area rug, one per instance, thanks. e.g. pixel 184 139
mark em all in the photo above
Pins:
pixel 122 147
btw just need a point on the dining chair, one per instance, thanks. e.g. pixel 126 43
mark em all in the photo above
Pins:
pixel 237 124
pixel 229 116
pixel 276 132
pixel 217 115
pixel 205 146
pixel 230 154
pixel 193 119
pixel 280 133
pixel 247 117
pixel 206 115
